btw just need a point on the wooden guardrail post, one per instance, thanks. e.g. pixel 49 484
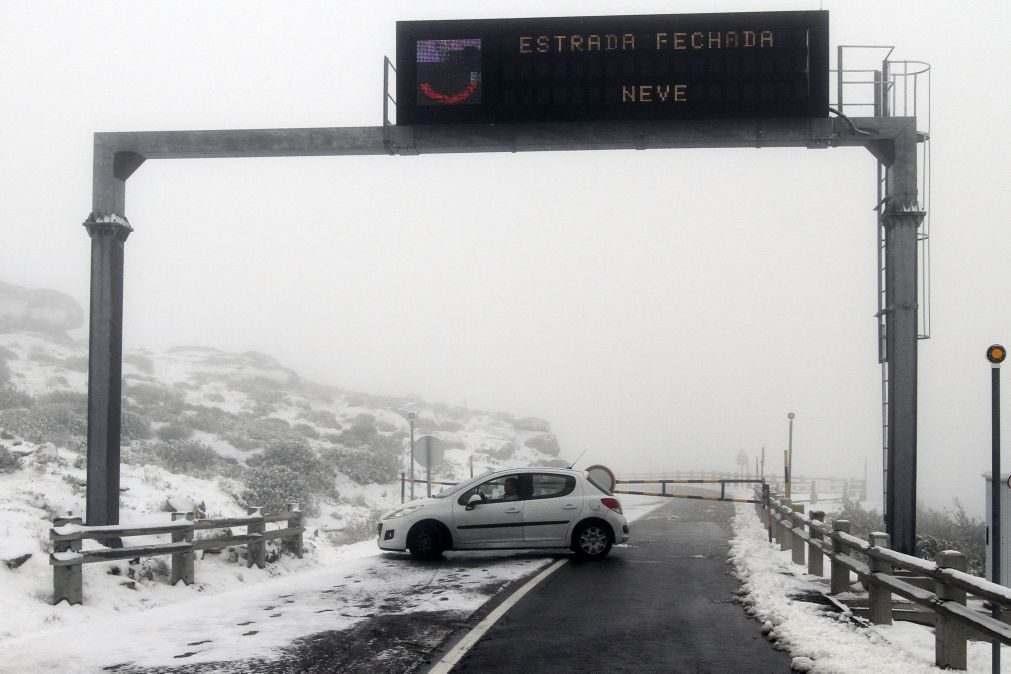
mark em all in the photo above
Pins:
pixel 878 596
pixel 294 543
pixel 67 580
pixel 949 634
pixel 815 558
pixel 182 562
pixel 256 552
pixel 840 572
pixel 797 520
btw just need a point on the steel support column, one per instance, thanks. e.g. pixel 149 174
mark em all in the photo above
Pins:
pixel 105 363
pixel 901 217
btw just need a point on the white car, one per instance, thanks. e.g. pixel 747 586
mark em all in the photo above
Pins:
pixel 513 508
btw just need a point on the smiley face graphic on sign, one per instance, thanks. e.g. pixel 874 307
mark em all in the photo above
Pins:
pixel 449 72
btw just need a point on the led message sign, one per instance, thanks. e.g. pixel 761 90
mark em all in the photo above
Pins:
pixel 676 66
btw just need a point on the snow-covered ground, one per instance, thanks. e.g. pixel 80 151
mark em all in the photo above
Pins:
pixel 254 618
pixel 234 612
pixel 827 641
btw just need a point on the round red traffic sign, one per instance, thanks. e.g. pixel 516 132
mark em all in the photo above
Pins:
pixel 601 476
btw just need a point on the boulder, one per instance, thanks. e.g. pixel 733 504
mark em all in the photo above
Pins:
pixel 545 443
pixel 38 310
pixel 505 451
pixel 533 424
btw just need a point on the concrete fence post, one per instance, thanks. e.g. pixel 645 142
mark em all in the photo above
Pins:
pixel 785 522
pixel 797 520
pixel 256 552
pixel 840 573
pixel 815 558
pixel 182 562
pixel 878 596
pixel 67 580
pixel 949 634
pixel 294 543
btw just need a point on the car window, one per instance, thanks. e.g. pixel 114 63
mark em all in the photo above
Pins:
pixel 504 488
pixel 549 485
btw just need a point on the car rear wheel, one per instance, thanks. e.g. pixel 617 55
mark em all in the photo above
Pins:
pixel 592 540
pixel 425 543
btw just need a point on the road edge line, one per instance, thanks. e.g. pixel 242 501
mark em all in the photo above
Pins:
pixel 456 653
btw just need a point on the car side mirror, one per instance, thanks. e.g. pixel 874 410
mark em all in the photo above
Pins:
pixel 473 501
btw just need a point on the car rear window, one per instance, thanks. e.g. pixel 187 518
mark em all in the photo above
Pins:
pixel 550 485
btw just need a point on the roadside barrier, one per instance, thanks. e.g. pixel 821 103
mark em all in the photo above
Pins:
pixel 664 482
pixel 67 534
pixel 887 572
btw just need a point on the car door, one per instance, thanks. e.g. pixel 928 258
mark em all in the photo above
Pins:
pixel 554 502
pixel 495 521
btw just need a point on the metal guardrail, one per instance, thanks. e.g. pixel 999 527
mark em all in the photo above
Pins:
pixel 664 482
pixel 67 534
pixel 806 535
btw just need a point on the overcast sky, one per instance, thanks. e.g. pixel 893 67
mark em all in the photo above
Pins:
pixel 663 309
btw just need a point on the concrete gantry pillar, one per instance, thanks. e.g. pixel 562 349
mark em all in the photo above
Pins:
pixel 108 234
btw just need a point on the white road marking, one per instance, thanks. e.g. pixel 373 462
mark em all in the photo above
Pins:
pixel 456 653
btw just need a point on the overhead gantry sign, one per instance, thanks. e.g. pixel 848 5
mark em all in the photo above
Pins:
pixel 892 140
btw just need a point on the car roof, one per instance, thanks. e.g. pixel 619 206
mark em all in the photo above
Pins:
pixel 537 469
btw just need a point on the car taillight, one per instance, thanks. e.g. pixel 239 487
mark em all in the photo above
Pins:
pixel 612 503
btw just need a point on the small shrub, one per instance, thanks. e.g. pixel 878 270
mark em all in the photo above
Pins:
pixel 359 526
pixel 11 397
pixel 365 465
pixel 176 430
pixel 188 457
pixel 209 419
pixel 78 402
pixel 306 431
pixel 272 487
pixel 58 423
pixel 268 429
pixel 324 418
pixel 9 461
pixel 134 426
pixel 317 474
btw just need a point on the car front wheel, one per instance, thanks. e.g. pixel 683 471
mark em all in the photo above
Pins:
pixel 425 543
pixel 592 540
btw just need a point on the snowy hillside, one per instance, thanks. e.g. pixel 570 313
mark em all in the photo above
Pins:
pixel 221 430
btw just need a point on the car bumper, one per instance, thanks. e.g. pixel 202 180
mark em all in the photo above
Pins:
pixel 392 535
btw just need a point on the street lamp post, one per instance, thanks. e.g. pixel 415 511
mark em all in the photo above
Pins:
pixel 789 457
pixel 995 354
pixel 410 417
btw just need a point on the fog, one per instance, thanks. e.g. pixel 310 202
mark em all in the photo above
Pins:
pixel 662 309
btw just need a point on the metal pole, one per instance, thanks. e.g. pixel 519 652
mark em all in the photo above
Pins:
pixel 428 463
pixel 995 354
pixel 763 462
pixel 790 456
pixel 786 473
pixel 411 417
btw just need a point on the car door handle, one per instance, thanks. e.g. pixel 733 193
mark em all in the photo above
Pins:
pixel 569 506
pixel 512 510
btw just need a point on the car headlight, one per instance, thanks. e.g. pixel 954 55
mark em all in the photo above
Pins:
pixel 400 512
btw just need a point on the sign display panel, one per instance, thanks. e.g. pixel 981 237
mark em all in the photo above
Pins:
pixel 672 66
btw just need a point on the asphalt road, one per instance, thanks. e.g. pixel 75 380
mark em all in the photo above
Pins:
pixel 665 603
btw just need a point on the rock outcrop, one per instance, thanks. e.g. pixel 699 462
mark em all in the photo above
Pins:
pixel 31 310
